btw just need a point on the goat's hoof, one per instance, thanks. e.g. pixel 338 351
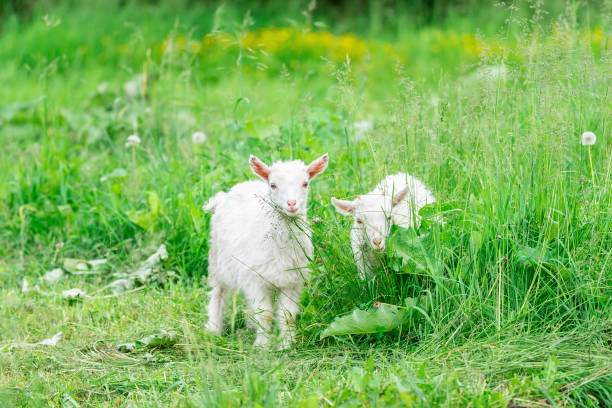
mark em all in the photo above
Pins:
pixel 285 344
pixel 212 329
pixel 261 341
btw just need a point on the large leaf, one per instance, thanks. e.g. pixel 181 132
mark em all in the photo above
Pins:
pixel 10 112
pixel 161 339
pixel 417 250
pixel 437 208
pixel 378 320
pixel 529 256
pixel 83 266
pixel 147 218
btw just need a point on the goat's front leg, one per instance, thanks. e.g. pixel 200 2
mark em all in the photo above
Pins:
pixel 259 299
pixel 361 261
pixel 216 306
pixel 286 311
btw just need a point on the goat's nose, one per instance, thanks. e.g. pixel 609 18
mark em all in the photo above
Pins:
pixel 376 241
pixel 291 203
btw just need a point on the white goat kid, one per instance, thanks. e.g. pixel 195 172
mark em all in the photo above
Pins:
pixel 259 244
pixel 395 200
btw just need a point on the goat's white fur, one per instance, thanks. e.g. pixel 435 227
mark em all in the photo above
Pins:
pixel 395 200
pixel 260 244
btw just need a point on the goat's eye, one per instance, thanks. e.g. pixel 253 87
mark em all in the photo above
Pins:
pixel 360 222
pixel 305 184
pixel 273 186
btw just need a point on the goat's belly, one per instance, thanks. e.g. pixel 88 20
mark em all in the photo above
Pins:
pixel 276 271
pixel 280 273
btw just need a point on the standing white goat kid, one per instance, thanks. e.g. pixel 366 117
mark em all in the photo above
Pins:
pixel 259 244
pixel 395 200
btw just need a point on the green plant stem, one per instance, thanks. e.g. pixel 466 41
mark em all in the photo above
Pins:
pixel 591 163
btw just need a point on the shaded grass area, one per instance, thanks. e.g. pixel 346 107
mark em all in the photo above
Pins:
pixel 514 288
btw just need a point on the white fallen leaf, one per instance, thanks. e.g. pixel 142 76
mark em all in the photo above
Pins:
pixel 73 294
pixel 53 275
pixel 75 265
pixel 95 263
pixel 52 341
pixel 83 266
pixel 25 286
pixel 143 275
pixel 156 258
pixel 126 347
pixel 149 357
pixel 121 285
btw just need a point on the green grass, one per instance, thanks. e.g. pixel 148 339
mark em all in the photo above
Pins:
pixel 515 288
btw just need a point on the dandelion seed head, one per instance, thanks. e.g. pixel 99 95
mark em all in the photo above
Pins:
pixel 588 139
pixel 198 138
pixel 102 88
pixel 363 127
pixel 132 141
pixel 133 88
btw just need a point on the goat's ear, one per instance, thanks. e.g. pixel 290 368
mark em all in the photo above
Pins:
pixel 400 195
pixel 345 207
pixel 259 167
pixel 317 166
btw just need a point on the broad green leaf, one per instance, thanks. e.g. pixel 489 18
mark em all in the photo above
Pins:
pixel 161 339
pixel 146 218
pixel 154 202
pixel 435 208
pixel 417 250
pixel 529 256
pixel 126 347
pixel 9 112
pixel 381 319
pixel 143 219
pixel 476 240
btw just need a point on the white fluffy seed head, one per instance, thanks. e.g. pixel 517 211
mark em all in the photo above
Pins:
pixel 198 138
pixel 132 140
pixel 289 182
pixel 588 139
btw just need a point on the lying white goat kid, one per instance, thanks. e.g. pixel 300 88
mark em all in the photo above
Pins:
pixel 259 245
pixel 395 200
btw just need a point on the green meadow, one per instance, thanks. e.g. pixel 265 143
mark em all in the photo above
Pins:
pixel 502 297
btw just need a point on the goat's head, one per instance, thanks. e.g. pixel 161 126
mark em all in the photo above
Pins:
pixel 372 215
pixel 289 181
